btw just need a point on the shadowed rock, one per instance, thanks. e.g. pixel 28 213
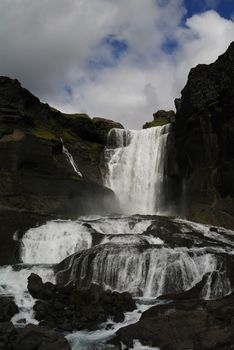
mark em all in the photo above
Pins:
pixel 68 309
pixel 184 324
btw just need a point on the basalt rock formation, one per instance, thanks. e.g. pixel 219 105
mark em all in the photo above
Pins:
pixel 184 324
pixel 30 338
pixel 69 309
pixel 204 133
pixel 37 182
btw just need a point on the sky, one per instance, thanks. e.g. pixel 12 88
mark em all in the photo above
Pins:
pixel 117 59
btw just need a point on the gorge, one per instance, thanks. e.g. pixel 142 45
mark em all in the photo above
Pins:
pixel 130 231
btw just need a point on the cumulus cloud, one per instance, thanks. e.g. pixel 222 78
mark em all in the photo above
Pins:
pixel 118 59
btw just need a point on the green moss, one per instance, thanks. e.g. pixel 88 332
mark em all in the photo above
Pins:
pixel 67 135
pixel 158 122
pixel 44 134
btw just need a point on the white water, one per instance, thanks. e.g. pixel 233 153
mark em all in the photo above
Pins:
pixel 132 239
pixel 54 241
pixel 118 225
pixel 14 283
pixel 71 160
pixel 136 169
pixel 127 258
pixel 150 272
pixel 85 340
pixel 221 235
pixel 138 346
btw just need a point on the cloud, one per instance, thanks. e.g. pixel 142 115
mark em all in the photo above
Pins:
pixel 118 59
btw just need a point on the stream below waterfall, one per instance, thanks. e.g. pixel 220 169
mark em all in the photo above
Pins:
pixel 128 253
pixel 146 254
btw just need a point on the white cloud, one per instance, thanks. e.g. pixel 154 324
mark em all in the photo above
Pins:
pixel 48 44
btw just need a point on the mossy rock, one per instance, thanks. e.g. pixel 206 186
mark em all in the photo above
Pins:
pixel 158 122
pixel 44 134
pixel 68 135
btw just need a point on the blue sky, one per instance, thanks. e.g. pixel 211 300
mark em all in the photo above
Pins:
pixel 224 7
pixel 122 60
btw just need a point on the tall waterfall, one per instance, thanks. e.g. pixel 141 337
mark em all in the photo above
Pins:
pixel 136 168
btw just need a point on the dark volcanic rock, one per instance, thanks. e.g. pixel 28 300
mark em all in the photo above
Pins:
pixel 8 335
pixel 8 309
pixel 104 126
pixel 193 293
pixel 38 289
pixel 36 178
pixel 184 324
pixel 161 117
pixel 36 338
pixel 204 130
pixel 67 308
pixel 30 338
pixel 12 221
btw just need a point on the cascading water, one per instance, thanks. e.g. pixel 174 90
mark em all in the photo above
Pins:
pixel 136 168
pixel 71 160
pixel 148 271
pixel 122 254
pixel 137 253
pixel 54 241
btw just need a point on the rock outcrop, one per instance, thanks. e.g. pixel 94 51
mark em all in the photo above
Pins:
pixel 184 324
pixel 204 131
pixel 8 309
pixel 161 117
pixel 68 309
pixel 37 181
pixel 30 338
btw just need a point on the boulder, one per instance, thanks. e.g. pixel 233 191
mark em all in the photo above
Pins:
pixel 8 335
pixel 38 338
pixel 67 308
pixel 40 290
pixel 184 324
pixel 8 308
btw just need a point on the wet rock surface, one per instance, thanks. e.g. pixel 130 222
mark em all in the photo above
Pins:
pixel 8 309
pixel 68 309
pixel 172 255
pixel 36 177
pixel 30 338
pixel 184 324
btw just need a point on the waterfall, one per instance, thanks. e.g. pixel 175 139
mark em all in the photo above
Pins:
pixel 122 253
pixel 53 242
pixel 71 160
pixel 144 271
pixel 136 168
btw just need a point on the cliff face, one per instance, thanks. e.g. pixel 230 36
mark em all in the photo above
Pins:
pixel 204 131
pixel 37 181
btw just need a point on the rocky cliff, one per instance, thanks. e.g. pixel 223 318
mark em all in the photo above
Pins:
pixel 37 181
pixel 204 134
